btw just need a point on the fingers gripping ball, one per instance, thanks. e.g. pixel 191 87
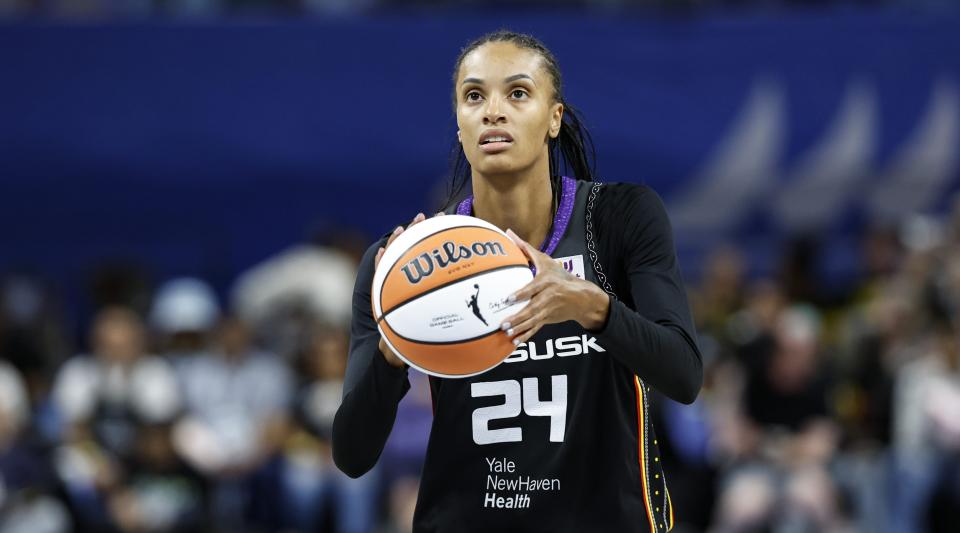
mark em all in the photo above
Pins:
pixel 440 293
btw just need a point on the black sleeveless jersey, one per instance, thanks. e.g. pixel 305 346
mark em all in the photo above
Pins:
pixel 557 437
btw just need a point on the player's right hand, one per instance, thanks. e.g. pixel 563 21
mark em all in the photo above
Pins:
pixel 388 354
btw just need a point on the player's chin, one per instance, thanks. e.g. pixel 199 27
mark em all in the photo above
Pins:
pixel 497 165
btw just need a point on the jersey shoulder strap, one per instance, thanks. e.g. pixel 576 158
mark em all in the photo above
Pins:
pixel 591 240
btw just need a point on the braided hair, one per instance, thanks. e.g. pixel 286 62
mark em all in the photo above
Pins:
pixel 571 153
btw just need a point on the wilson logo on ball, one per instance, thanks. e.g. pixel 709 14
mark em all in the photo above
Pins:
pixel 447 254
pixel 440 294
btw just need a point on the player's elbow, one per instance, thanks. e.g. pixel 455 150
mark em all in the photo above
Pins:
pixel 689 387
pixel 684 378
pixel 346 454
pixel 688 396
pixel 352 469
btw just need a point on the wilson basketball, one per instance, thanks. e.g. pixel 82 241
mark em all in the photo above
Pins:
pixel 440 293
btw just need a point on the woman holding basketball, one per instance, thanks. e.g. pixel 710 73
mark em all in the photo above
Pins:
pixel 557 437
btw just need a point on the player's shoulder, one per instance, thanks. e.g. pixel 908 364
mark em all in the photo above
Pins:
pixel 624 201
pixel 623 191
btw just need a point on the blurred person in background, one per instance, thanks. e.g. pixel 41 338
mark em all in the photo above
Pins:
pixel 32 338
pixel 237 400
pixel 27 484
pixel 783 480
pixel 282 296
pixel 926 434
pixel 159 491
pixel 747 336
pixel 183 317
pixel 301 489
pixel 689 434
pixel 720 291
pixel 105 400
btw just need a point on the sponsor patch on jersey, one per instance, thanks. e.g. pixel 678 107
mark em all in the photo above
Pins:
pixel 562 347
pixel 573 265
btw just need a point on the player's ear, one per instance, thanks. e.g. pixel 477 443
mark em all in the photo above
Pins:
pixel 556 119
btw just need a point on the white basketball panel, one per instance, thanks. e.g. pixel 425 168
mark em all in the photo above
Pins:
pixel 448 314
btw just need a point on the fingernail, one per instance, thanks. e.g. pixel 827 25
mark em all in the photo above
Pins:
pixel 380 251
pixel 505 326
pixel 440 214
pixel 420 217
pixel 516 342
pixel 512 298
pixel 398 230
pixel 510 332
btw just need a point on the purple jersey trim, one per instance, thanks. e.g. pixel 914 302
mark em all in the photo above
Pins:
pixel 567 196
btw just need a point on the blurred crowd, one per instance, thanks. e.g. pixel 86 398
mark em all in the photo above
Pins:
pixel 186 415
pixel 824 408
pixel 140 8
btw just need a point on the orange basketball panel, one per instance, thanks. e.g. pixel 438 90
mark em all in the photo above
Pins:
pixel 454 359
pixel 397 286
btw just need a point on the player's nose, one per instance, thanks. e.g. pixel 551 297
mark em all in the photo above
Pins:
pixel 493 111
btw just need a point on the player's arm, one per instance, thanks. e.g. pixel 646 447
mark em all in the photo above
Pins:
pixel 372 386
pixel 375 380
pixel 657 339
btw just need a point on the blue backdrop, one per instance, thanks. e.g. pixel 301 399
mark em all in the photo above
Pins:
pixel 202 148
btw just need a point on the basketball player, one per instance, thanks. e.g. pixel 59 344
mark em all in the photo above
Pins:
pixel 557 437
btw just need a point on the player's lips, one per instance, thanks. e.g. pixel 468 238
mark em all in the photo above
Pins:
pixel 495 141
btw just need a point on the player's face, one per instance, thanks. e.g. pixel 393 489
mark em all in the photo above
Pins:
pixel 506 111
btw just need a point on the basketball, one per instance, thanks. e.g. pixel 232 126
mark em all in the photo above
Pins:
pixel 440 293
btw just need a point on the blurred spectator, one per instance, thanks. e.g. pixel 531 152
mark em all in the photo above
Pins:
pixel 184 313
pixel 927 430
pixel 283 295
pixel 104 400
pixel 786 387
pixel 308 492
pixel 237 400
pixel 117 385
pixel 783 481
pixel 26 484
pixel 720 291
pixel 31 331
pixel 14 405
pixel 159 491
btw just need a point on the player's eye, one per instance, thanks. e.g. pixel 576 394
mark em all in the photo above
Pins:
pixel 472 96
pixel 518 94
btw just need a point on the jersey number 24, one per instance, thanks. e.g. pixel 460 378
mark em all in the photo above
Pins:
pixel 526 399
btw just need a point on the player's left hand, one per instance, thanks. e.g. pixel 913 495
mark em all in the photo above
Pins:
pixel 554 296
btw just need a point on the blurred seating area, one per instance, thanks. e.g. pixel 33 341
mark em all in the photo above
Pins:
pixel 110 9
pixel 174 412
pixel 178 409
pixel 821 413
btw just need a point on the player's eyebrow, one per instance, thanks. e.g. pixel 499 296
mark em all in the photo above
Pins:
pixel 508 79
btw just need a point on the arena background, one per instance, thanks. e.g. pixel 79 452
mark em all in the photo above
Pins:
pixel 808 154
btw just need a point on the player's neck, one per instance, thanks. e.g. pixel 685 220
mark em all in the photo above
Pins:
pixel 522 203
